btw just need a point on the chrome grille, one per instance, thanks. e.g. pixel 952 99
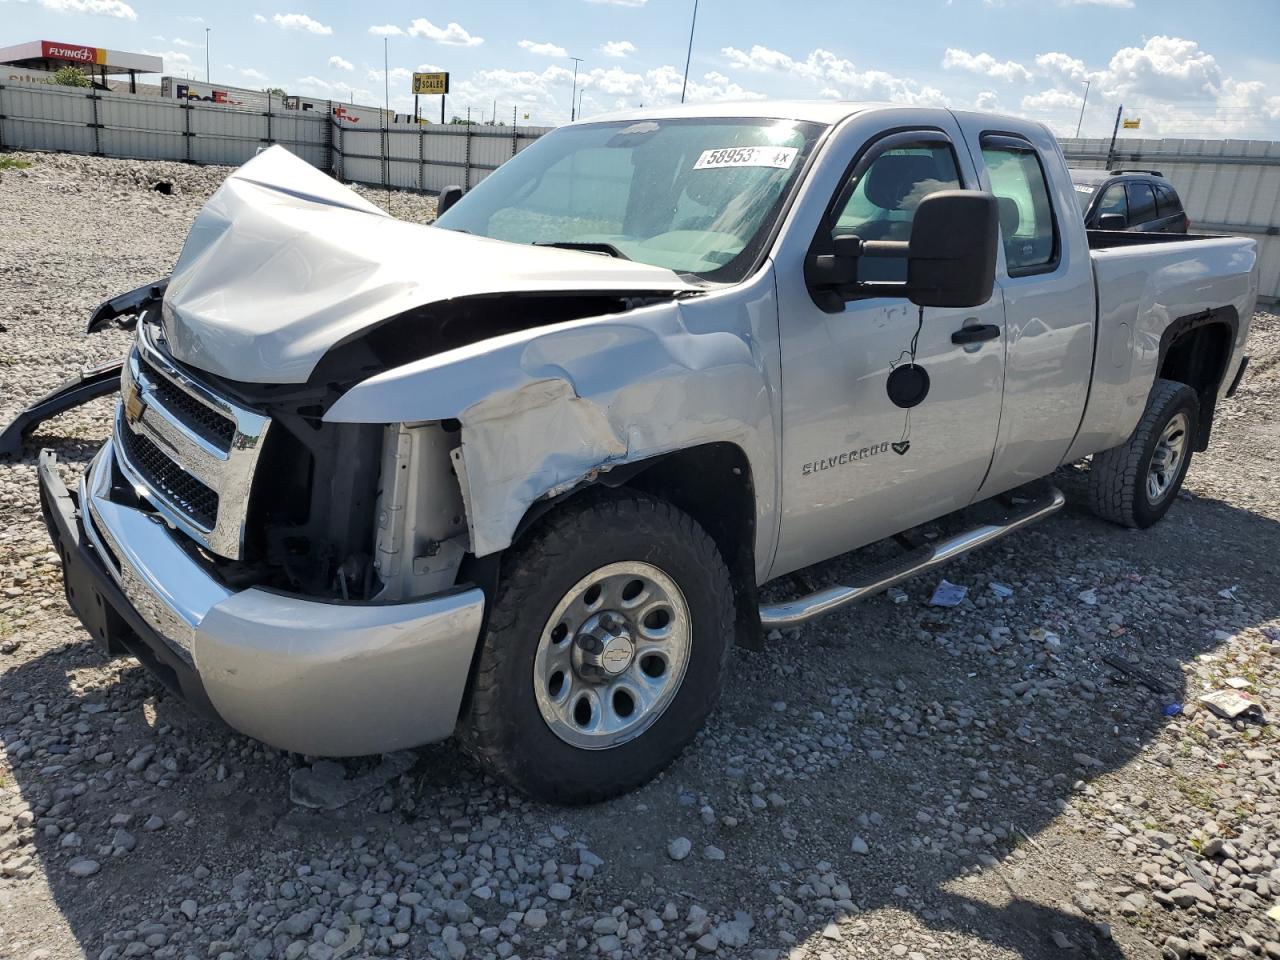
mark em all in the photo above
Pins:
pixel 210 424
pixel 167 478
pixel 189 450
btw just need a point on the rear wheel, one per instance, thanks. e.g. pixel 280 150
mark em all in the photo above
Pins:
pixel 1136 483
pixel 606 649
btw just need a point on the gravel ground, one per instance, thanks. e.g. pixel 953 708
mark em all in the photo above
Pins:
pixel 896 781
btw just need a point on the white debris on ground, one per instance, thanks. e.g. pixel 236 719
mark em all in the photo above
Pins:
pixel 899 780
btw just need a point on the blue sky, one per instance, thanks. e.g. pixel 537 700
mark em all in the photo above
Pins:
pixel 1185 67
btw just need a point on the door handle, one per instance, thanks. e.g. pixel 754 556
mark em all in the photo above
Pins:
pixel 969 335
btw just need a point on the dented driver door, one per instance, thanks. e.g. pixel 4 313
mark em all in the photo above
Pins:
pixel 855 467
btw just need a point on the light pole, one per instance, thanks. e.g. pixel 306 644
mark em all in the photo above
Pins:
pixel 573 97
pixel 206 53
pixel 689 56
pixel 1082 103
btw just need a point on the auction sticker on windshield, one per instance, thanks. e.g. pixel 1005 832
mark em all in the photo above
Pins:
pixel 778 157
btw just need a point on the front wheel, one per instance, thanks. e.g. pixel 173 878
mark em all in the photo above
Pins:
pixel 1136 483
pixel 606 649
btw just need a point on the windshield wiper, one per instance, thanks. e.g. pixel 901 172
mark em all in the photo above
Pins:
pixel 589 247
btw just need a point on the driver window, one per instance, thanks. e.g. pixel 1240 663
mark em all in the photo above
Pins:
pixel 1113 202
pixel 883 202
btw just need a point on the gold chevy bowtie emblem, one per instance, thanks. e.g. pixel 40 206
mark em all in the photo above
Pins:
pixel 133 404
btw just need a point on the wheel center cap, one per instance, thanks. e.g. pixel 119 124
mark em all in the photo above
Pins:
pixel 604 648
pixel 616 656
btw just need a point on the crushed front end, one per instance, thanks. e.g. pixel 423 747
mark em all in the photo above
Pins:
pixel 266 565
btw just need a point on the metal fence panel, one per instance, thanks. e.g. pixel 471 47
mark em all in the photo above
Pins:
pixel 44 119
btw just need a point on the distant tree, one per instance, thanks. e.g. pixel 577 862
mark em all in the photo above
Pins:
pixel 277 91
pixel 70 76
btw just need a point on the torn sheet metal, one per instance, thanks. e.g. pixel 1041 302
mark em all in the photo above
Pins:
pixel 283 263
pixel 542 410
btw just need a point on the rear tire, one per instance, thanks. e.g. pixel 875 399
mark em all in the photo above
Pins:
pixel 606 649
pixel 1136 483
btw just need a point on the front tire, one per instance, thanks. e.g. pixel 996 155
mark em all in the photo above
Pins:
pixel 1136 483
pixel 606 648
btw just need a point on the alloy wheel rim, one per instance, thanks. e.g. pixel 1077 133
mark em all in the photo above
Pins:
pixel 612 655
pixel 1167 458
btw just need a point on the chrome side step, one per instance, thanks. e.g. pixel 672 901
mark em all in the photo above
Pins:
pixel 791 613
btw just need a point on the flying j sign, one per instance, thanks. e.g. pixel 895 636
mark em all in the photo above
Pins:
pixel 73 52
pixel 432 84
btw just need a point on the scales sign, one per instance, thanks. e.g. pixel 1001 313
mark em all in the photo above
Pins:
pixel 432 84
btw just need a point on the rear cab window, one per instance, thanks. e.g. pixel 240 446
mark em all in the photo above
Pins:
pixel 1167 202
pixel 1028 228
pixel 1142 201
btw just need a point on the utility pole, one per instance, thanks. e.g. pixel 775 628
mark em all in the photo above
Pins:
pixel 1111 150
pixel 386 114
pixel 1082 103
pixel 689 55
pixel 573 96
pixel 206 53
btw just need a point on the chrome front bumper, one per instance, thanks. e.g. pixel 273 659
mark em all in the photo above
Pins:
pixel 328 679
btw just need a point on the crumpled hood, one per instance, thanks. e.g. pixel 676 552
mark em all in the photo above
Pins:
pixel 283 262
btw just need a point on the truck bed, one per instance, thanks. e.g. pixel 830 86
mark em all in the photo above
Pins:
pixel 1148 283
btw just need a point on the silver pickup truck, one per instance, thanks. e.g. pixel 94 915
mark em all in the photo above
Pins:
pixel 520 475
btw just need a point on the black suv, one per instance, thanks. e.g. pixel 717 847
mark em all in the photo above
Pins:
pixel 1129 200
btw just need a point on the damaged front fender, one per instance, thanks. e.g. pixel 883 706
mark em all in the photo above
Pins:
pixel 544 410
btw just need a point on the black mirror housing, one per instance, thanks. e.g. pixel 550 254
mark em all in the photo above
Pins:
pixel 448 197
pixel 1113 221
pixel 951 257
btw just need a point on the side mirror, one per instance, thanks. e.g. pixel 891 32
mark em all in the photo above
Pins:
pixel 1113 221
pixel 838 268
pixel 951 257
pixel 448 197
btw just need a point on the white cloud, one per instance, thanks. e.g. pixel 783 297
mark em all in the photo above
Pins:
pixel 1009 71
pixel 1049 100
pixel 179 42
pixel 836 76
pixel 452 35
pixel 174 60
pixel 300 21
pixel 544 94
pixel 98 8
pixel 252 74
pixel 1165 67
pixel 259 18
pixel 334 90
pixel 618 48
pixel 621 3
pixel 397 73
pixel 1174 86
pixel 1064 67
pixel 386 30
pixel 339 64
pixel 1126 4
pixel 543 49
pixel 987 100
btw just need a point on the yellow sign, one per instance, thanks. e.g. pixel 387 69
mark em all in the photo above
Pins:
pixel 431 83
pixel 1132 124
